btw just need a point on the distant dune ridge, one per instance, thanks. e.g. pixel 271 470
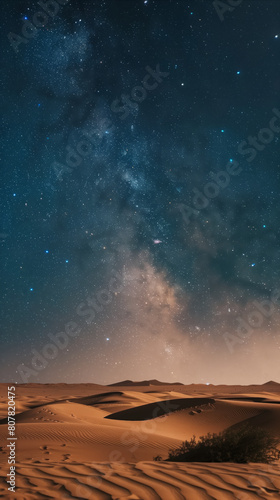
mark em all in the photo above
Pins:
pixel 92 441
pixel 142 383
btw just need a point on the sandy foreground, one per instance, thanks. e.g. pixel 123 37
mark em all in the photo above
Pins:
pixel 98 442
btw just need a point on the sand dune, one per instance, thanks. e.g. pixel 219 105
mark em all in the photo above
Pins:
pixel 145 481
pixel 157 409
pixel 91 442
pixel 113 402
pixel 148 383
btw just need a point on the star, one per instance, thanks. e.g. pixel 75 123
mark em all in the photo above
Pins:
pixel 129 158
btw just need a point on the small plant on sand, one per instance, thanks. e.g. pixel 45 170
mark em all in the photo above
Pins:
pixel 242 445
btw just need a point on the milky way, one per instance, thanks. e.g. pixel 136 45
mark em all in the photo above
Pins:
pixel 140 191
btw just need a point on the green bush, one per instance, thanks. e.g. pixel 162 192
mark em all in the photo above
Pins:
pixel 243 445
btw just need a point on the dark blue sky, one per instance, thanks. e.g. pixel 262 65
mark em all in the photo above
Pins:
pixel 116 116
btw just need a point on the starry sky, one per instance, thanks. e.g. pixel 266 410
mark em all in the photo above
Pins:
pixel 140 191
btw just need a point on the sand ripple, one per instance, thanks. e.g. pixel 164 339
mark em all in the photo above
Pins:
pixel 145 481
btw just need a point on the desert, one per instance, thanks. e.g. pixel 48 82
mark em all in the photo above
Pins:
pixel 90 441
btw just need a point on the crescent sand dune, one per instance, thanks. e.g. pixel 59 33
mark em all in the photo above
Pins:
pixel 98 442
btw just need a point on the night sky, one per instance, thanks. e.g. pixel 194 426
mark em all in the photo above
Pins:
pixel 119 119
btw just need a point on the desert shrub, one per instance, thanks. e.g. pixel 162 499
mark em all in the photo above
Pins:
pixel 243 445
